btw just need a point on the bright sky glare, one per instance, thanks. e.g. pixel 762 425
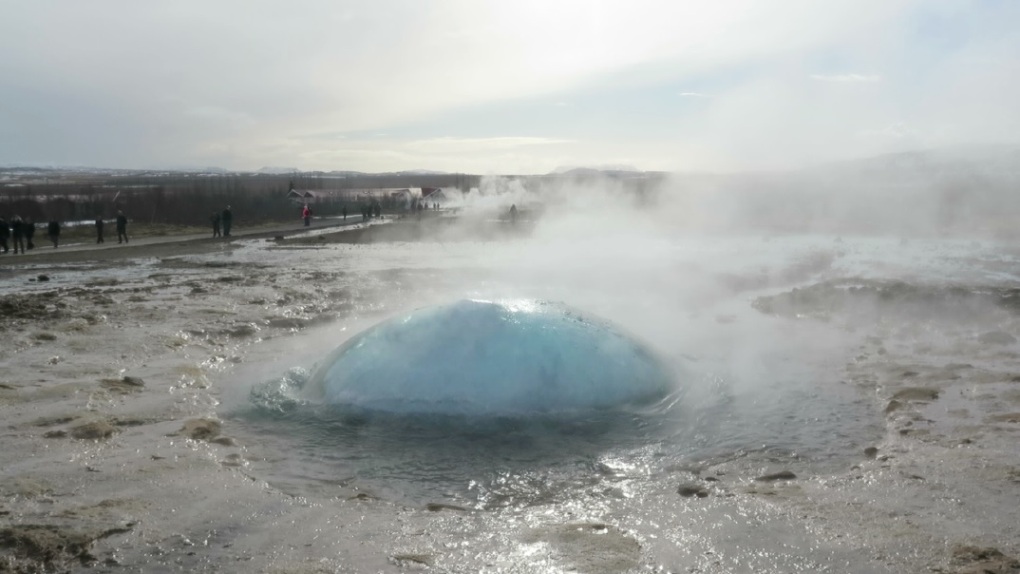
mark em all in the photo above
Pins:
pixel 494 86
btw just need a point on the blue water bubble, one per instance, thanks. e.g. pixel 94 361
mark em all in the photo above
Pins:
pixel 471 357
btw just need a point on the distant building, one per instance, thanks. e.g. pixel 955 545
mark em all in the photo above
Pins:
pixel 301 195
pixel 432 195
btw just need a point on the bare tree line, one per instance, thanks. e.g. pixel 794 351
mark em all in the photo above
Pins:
pixel 191 199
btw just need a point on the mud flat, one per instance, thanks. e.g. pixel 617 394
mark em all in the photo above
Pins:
pixel 117 457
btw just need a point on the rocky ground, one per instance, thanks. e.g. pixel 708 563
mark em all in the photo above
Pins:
pixel 114 457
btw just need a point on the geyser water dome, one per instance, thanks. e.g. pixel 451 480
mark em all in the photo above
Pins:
pixel 491 358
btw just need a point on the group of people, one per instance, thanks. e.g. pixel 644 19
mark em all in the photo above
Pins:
pixel 20 233
pixel 369 210
pixel 222 220
pixel 122 236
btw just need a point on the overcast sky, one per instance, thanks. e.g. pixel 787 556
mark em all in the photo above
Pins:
pixel 501 86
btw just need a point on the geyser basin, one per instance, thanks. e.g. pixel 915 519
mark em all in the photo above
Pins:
pixel 491 358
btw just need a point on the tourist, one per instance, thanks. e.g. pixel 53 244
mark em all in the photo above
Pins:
pixel 30 231
pixel 215 219
pixel 99 229
pixel 5 234
pixel 53 230
pixel 29 234
pixel 122 236
pixel 226 218
pixel 306 214
pixel 18 233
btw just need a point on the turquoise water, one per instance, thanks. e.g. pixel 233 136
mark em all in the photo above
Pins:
pixel 758 384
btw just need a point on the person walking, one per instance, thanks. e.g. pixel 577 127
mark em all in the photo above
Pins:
pixel 215 218
pixel 306 214
pixel 122 236
pixel 5 234
pixel 30 231
pixel 345 213
pixel 18 233
pixel 53 229
pixel 227 219
pixel 99 230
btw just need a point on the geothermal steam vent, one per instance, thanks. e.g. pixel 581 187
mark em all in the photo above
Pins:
pixel 491 358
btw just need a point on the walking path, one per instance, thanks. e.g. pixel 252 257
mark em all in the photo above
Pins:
pixel 163 245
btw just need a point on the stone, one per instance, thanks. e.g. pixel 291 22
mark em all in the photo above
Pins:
pixel 200 429
pixel 437 506
pixel 690 489
pixel 781 475
pixel 916 394
pixel 93 430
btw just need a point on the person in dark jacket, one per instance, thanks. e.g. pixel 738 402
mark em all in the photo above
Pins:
pixel 227 219
pixel 53 229
pixel 99 230
pixel 215 219
pixel 5 234
pixel 122 235
pixel 29 234
pixel 18 233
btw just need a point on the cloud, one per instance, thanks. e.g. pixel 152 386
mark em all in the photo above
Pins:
pixel 495 143
pixel 242 84
pixel 846 78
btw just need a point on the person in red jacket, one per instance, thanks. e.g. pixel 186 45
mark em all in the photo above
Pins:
pixel 306 214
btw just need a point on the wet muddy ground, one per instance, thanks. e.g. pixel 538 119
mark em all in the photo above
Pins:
pixel 118 456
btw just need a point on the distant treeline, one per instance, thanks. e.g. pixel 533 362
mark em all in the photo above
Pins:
pixel 190 199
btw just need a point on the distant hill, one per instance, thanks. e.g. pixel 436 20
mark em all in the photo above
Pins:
pixel 590 170
pixel 268 170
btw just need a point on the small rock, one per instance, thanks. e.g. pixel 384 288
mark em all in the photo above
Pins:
pixel 243 330
pixel 93 430
pixel 43 277
pixel 871 452
pixel 200 429
pixel 781 475
pixel 893 406
pixel 224 440
pixel 123 385
pixel 423 559
pixel 437 506
pixel 916 394
pixel 133 381
pixel 55 434
pixel 977 560
pixel 689 490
